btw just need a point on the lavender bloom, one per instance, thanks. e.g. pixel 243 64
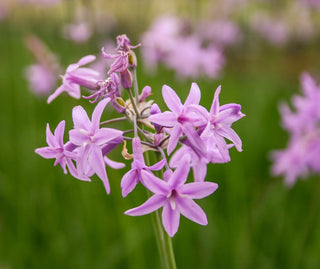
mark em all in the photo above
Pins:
pixel 90 138
pixel 302 154
pixel 74 77
pixel 58 150
pixel 176 198
pixel 180 119
pixel 139 171
pixel 220 119
pixel 121 61
pixel 167 42
pixel 41 79
pixel 77 32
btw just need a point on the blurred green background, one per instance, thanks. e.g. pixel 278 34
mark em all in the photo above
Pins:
pixel 51 220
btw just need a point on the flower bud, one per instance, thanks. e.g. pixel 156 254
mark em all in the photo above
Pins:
pixel 126 79
pixel 132 60
pixel 146 91
pixel 119 105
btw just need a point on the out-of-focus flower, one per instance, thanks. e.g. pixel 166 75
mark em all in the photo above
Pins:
pixel 78 32
pixel 167 42
pixel 272 29
pixel 221 32
pixel 302 155
pixel 42 76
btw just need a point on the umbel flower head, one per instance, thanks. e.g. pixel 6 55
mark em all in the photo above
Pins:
pixel 184 137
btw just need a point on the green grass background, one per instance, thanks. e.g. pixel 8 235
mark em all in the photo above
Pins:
pixel 51 220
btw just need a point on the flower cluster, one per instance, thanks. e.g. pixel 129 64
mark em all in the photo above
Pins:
pixel 302 153
pixel 185 137
pixel 168 41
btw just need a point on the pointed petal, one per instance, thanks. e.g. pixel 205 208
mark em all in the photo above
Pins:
pixel 137 150
pixel 215 104
pixel 113 164
pixel 86 59
pixel 199 171
pixel 56 94
pixel 77 137
pixel 153 183
pixel 170 219
pixel 194 138
pixel 191 210
pixel 171 99
pixel 96 115
pixel 174 138
pixel 167 119
pixel 59 132
pixel 51 140
pixel 104 135
pixel 229 113
pixel 180 175
pixel 47 152
pixel 128 182
pixel 157 166
pixel 230 134
pixel 80 118
pixel 152 204
pixel 194 95
pixel 198 190
pixel 97 164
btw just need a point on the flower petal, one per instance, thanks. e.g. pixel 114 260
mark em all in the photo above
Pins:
pixel 180 175
pixel 170 219
pixel 188 208
pixel 86 59
pixel 198 190
pixel 194 95
pixel 113 164
pixel 96 162
pixel 174 138
pixel 167 119
pixel 104 135
pixel 51 140
pixel 171 99
pixel 157 166
pixel 153 183
pixel 128 182
pixel 230 134
pixel 77 137
pixel 56 94
pixel 96 115
pixel 80 118
pixel 47 152
pixel 59 132
pixel 152 204
pixel 215 103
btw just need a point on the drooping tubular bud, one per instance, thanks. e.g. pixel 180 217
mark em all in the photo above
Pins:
pixel 126 79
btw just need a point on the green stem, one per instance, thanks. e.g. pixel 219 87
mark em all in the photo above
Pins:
pixel 163 239
pixel 113 121
pixel 134 104
pixel 135 84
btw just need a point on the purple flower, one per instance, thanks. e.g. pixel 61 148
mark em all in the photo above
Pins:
pixel 301 156
pixel 176 198
pixel 220 119
pixel 180 119
pixel 121 61
pixel 76 76
pixel 78 32
pixel 58 150
pixel 124 43
pixel 139 171
pixel 41 78
pixel 91 139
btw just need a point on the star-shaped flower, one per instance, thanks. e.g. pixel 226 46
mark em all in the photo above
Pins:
pixel 91 139
pixel 176 198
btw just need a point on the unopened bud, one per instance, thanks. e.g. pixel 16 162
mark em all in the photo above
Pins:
pixel 146 91
pixel 132 60
pixel 119 105
pixel 126 79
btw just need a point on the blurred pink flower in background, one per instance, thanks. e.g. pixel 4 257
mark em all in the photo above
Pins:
pixel 222 32
pixel 168 41
pixel 78 32
pixel 41 2
pixel 272 29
